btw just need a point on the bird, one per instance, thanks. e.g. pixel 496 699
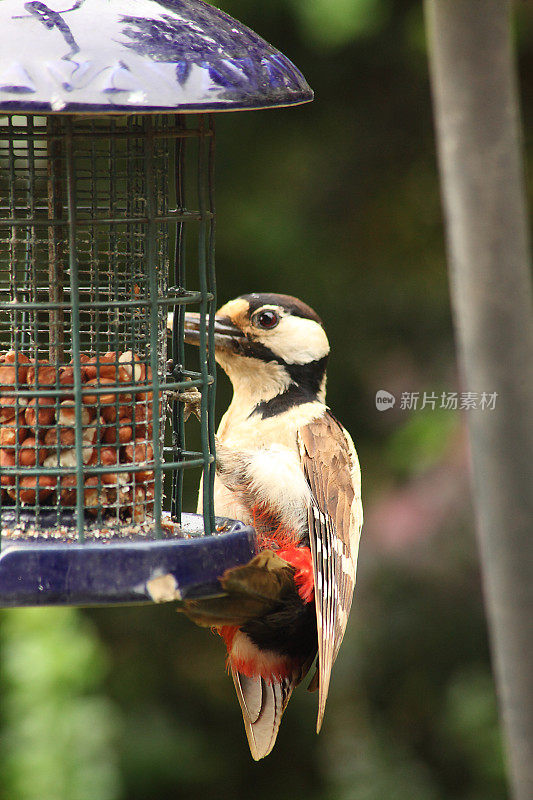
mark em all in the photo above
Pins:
pixel 286 466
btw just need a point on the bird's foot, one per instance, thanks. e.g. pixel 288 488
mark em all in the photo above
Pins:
pixel 192 401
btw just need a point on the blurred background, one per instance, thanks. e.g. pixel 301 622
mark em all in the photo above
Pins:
pixel 336 202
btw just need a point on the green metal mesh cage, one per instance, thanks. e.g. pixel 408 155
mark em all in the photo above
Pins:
pixel 104 221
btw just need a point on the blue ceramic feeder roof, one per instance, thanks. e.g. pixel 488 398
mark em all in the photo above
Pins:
pixel 86 56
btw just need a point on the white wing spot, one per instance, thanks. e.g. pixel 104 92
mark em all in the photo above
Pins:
pixel 348 567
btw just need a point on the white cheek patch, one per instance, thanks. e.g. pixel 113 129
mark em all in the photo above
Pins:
pixel 276 478
pixel 297 340
pixel 253 380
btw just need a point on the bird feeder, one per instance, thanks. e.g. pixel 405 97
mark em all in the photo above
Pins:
pixel 106 226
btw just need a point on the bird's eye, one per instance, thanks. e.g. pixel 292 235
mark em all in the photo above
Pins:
pixel 266 319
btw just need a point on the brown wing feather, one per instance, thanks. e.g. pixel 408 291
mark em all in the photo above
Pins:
pixel 335 518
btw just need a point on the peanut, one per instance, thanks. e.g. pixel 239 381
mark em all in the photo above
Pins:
pixel 14 431
pixel 146 396
pixel 144 476
pixel 116 479
pixel 40 412
pixel 9 372
pixel 67 489
pixel 66 376
pixel 67 437
pixel 45 375
pixel 27 489
pixel 67 414
pixel 92 496
pixel 106 399
pixel 109 413
pixel 108 456
pixel 87 453
pixel 103 366
pixel 142 414
pixel 29 453
pixel 10 406
pixel 89 434
pixel 134 369
pixel 67 458
pixel 140 452
pixel 125 432
pixel 7 459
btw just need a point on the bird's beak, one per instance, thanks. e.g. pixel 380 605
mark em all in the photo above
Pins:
pixel 227 335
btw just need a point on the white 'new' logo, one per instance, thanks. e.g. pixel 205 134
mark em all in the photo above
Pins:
pixel 384 400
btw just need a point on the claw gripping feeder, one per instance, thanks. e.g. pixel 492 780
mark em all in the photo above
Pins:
pixel 106 225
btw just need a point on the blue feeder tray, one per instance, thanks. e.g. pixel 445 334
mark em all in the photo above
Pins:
pixel 37 571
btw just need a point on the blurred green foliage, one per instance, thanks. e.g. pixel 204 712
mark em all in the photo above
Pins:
pixel 336 202
pixel 420 442
pixel 330 25
pixel 58 730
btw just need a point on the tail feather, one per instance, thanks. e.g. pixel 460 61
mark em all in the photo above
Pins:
pixel 262 705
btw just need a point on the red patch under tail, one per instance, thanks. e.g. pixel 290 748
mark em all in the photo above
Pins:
pixel 272 535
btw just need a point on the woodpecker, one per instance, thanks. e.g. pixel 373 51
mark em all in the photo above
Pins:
pixel 286 466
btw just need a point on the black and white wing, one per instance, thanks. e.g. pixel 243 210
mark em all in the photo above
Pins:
pixel 335 517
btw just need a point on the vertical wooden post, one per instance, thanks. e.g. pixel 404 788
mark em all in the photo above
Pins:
pixel 478 134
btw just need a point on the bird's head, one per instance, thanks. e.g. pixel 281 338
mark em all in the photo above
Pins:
pixel 269 345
